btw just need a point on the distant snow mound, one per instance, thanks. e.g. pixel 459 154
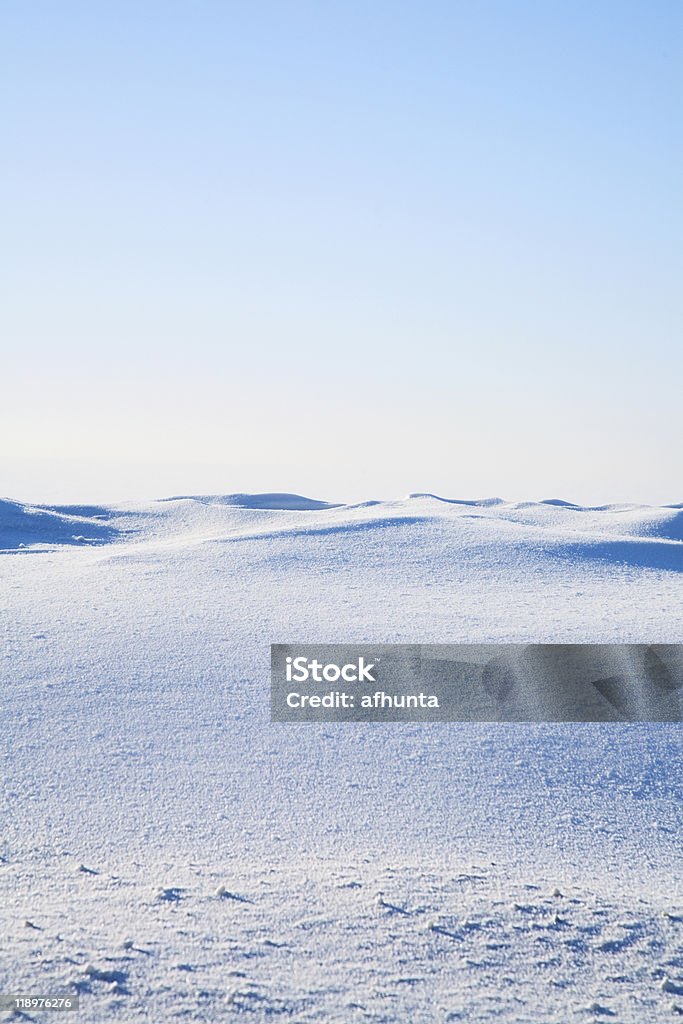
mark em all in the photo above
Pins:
pixel 666 523
pixel 478 502
pixel 22 526
pixel 272 500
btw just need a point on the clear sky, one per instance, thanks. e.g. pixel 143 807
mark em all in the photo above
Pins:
pixel 352 248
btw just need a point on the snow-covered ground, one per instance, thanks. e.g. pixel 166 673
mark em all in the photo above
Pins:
pixel 170 854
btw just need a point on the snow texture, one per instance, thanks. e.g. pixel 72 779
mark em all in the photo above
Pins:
pixel 170 854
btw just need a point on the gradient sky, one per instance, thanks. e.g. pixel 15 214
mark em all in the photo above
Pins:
pixel 352 249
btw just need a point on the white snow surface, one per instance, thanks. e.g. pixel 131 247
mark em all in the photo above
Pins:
pixel 170 854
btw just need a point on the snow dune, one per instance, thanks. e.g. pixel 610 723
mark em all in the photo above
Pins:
pixel 169 853
pixel 638 534
pixel 24 526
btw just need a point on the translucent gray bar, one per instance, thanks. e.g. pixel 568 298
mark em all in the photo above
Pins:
pixel 25 1004
pixel 476 682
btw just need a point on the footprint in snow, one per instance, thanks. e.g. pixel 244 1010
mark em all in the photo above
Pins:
pixel 171 894
pixel 226 894
pixel 392 908
pixel 103 974
pixel 601 1011
pixel 434 926
pixel 560 922
pixel 129 944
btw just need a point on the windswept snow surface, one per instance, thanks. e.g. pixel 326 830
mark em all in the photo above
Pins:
pixel 170 854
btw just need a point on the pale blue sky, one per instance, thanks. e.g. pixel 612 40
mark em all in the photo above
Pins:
pixel 347 248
